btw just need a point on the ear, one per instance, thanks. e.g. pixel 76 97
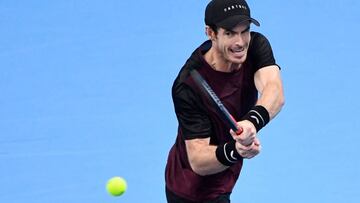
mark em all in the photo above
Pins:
pixel 210 33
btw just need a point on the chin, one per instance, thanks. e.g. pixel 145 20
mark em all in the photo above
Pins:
pixel 238 60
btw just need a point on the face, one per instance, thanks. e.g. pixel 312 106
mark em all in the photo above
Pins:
pixel 232 45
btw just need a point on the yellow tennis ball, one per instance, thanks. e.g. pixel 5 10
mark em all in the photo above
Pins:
pixel 116 186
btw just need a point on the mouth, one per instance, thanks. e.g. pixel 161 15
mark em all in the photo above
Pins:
pixel 238 52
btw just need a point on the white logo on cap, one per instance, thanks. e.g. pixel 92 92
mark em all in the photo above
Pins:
pixel 234 7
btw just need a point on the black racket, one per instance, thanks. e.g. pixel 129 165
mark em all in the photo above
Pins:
pixel 205 87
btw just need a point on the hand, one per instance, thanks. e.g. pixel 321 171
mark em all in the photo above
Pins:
pixel 248 134
pixel 249 151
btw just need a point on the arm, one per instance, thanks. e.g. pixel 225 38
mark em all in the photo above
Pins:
pixel 196 128
pixel 269 85
pixel 202 157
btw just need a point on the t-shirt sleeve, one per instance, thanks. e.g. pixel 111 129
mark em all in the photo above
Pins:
pixel 260 51
pixel 193 120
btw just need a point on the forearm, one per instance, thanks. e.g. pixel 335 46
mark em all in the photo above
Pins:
pixel 203 159
pixel 272 98
pixel 268 83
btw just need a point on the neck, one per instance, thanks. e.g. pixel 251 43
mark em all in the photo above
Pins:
pixel 219 63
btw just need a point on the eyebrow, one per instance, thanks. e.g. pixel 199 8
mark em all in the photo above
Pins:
pixel 245 30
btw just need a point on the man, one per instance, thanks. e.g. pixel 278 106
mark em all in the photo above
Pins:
pixel 238 65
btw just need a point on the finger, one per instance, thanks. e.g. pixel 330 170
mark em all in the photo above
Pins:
pixel 255 150
pixel 256 141
pixel 248 142
pixel 248 155
pixel 245 154
pixel 244 138
pixel 244 148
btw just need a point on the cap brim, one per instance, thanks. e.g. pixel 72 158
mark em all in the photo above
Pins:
pixel 232 21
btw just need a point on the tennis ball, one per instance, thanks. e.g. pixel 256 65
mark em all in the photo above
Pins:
pixel 116 186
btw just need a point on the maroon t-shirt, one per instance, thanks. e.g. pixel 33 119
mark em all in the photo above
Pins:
pixel 198 118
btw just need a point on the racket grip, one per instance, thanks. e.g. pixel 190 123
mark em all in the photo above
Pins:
pixel 239 131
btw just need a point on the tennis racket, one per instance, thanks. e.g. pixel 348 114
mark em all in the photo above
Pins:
pixel 206 89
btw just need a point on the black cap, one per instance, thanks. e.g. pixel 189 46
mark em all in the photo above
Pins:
pixel 228 13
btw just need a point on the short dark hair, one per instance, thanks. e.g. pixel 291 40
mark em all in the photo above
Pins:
pixel 214 28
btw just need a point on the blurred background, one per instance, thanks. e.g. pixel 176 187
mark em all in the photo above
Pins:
pixel 86 95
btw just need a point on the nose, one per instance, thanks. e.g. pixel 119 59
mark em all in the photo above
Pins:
pixel 240 40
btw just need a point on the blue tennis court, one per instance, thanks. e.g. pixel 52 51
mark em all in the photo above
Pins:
pixel 86 95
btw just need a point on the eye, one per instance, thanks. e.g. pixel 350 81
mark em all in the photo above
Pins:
pixel 228 33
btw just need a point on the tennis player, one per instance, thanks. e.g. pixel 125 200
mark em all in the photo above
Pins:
pixel 205 162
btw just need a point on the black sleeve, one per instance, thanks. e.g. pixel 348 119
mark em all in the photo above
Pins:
pixel 193 119
pixel 260 51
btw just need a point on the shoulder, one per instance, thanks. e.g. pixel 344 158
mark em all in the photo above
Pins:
pixel 258 41
pixel 260 51
pixel 195 61
pixel 256 35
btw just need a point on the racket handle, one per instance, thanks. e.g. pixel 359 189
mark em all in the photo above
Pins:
pixel 239 131
pixel 234 126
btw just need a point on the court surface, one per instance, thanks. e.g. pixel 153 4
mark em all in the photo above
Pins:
pixel 86 95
